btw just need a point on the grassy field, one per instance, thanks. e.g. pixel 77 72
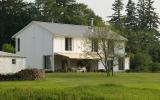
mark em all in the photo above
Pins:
pixel 85 86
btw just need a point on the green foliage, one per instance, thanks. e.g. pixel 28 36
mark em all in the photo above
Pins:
pixel 116 18
pixel 131 19
pixel 140 62
pixel 152 18
pixel 8 48
pixel 154 67
pixel 140 28
pixel 148 18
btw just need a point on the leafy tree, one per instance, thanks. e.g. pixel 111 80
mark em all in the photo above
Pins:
pixel 101 43
pixel 8 48
pixel 141 62
pixel 131 19
pixel 14 15
pixel 116 17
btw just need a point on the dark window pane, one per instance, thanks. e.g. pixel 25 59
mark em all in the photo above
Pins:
pixel 68 44
pixel 13 61
pixel 18 48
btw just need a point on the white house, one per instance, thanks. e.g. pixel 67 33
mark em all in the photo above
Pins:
pixel 11 63
pixel 57 47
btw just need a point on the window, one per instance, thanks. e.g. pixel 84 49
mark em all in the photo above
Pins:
pixel 68 44
pixel 94 46
pixel 121 64
pixel 18 44
pixel 47 62
pixel 13 61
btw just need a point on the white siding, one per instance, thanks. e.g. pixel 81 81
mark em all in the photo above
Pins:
pixel 35 42
pixel 77 45
pixel 119 48
pixel 7 67
pixel 127 63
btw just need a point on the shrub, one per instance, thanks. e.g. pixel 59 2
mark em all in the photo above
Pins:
pixel 8 48
pixel 140 62
pixel 154 67
pixel 27 74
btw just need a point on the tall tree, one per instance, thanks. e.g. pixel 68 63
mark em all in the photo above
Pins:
pixel 152 18
pixel 131 19
pixel 141 11
pixel 116 17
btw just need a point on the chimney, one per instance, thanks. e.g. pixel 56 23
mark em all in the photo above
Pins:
pixel 92 24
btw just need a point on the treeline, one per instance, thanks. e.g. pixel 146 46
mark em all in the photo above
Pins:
pixel 15 14
pixel 140 27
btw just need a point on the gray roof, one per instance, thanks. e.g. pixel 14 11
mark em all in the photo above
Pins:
pixel 65 29
pixel 69 30
pixel 6 54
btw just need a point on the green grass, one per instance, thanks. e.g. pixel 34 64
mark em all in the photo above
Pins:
pixel 85 86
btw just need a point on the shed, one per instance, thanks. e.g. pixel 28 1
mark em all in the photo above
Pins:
pixel 11 63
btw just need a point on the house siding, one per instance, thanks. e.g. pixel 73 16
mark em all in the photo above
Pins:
pixel 35 42
pixel 77 45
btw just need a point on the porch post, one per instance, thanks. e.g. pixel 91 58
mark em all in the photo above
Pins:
pixel 69 64
pixel 53 62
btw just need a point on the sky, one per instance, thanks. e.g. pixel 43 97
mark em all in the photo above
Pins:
pixel 103 8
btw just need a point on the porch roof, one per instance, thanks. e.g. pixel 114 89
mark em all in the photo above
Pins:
pixel 78 56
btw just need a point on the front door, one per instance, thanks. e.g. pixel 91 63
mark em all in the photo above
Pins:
pixel 47 62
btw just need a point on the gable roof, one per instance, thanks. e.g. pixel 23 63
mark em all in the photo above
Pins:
pixel 6 54
pixel 65 29
pixel 69 30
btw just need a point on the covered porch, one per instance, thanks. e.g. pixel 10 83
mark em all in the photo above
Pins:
pixel 73 62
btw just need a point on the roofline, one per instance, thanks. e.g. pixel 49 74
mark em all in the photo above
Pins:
pixel 35 22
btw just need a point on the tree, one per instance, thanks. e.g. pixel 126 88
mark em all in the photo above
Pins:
pixel 116 17
pixel 101 43
pixel 152 18
pixel 141 11
pixel 14 15
pixel 131 19
pixel 8 48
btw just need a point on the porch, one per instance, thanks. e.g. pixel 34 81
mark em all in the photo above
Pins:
pixel 73 62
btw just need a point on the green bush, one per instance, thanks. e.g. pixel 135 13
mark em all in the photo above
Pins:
pixel 140 62
pixel 154 67
pixel 8 48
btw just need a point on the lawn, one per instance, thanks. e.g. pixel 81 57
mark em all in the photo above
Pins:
pixel 85 86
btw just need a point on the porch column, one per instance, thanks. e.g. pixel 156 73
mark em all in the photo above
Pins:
pixel 69 64
pixel 52 63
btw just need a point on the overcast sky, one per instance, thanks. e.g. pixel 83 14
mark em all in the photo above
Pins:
pixel 103 8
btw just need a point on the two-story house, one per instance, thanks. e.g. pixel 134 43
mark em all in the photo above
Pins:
pixel 58 47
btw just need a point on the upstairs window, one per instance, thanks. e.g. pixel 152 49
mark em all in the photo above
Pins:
pixel 18 44
pixel 68 44
pixel 94 46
